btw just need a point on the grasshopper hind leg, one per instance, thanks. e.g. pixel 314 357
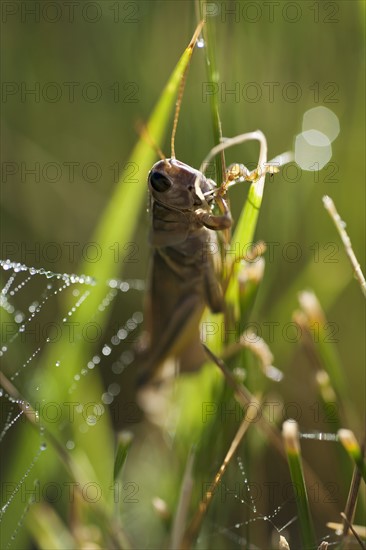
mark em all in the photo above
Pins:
pixel 180 340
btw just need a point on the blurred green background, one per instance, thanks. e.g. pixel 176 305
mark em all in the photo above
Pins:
pixel 98 69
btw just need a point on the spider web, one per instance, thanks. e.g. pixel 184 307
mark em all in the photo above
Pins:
pixel 254 524
pixel 30 327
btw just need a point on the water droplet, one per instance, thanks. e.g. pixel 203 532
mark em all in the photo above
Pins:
pixel 106 350
pixel 114 388
pixel 57 364
pixel 200 43
pixel 32 308
pixel 99 410
pixel 131 325
pixel 43 446
pixel 127 357
pixel 122 333
pixel 91 420
pixel 70 445
pixel 138 317
pixel 107 398
pixel 118 367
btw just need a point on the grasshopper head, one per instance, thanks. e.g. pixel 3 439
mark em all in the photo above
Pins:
pixel 177 185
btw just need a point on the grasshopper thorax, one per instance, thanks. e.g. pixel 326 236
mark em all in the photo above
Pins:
pixel 178 185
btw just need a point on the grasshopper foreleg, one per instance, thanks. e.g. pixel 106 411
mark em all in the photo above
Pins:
pixel 216 222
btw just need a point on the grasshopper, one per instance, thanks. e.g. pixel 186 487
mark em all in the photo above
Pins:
pixel 182 277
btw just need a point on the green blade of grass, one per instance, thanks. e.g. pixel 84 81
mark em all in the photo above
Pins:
pixel 328 353
pixel 340 226
pixel 314 321
pixel 123 443
pixel 293 451
pixel 213 80
pixel 48 529
pixel 243 237
pixel 349 442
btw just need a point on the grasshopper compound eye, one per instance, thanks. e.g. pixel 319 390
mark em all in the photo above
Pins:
pixel 159 182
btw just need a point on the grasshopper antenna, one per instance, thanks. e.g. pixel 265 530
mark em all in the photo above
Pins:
pixel 143 131
pixel 178 104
